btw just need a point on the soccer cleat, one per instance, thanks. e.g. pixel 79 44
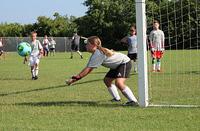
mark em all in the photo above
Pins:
pixel 71 57
pixel 153 70
pixel 36 77
pixel 159 71
pixel 33 78
pixel 81 57
pixel 131 103
pixel 115 100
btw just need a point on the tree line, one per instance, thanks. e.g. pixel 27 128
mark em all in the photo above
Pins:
pixel 111 19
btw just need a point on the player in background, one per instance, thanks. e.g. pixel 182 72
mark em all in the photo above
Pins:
pixel 45 43
pixel 131 41
pixel 75 45
pixel 157 46
pixel 52 45
pixel 120 67
pixel 2 53
pixel 35 55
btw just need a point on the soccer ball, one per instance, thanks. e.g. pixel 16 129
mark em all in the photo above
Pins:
pixel 24 49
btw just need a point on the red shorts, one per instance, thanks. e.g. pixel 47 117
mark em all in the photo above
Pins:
pixel 157 54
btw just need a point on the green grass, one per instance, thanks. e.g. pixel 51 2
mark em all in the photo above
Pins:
pixel 48 104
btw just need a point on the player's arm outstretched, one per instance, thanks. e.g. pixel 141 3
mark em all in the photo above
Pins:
pixel 85 38
pixel 82 74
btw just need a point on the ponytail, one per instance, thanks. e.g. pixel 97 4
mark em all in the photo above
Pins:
pixel 96 41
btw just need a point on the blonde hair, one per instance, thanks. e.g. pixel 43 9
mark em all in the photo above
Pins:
pixel 94 40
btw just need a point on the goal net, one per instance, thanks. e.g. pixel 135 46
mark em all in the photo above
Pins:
pixel 178 82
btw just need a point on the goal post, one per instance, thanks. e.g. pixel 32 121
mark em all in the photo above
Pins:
pixel 142 52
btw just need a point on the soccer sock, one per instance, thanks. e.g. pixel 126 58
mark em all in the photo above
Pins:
pixel 158 64
pixel 113 91
pixel 129 94
pixel 135 66
pixel 80 54
pixel 33 72
pixel 154 64
pixel 36 71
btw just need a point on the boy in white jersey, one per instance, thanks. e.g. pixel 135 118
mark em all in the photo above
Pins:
pixel 157 40
pixel 132 46
pixel 119 64
pixel 52 45
pixel 45 46
pixel 1 48
pixel 35 55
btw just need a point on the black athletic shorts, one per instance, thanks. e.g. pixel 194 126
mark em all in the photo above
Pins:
pixel 133 56
pixel 52 49
pixel 122 71
pixel 75 47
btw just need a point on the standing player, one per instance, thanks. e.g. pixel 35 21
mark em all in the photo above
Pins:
pixel 52 45
pixel 45 46
pixel 1 48
pixel 119 64
pixel 35 55
pixel 132 46
pixel 157 40
pixel 75 45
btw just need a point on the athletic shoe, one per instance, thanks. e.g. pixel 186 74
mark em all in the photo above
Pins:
pixel 131 103
pixel 115 100
pixel 81 57
pixel 159 71
pixel 36 77
pixel 33 78
pixel 71 57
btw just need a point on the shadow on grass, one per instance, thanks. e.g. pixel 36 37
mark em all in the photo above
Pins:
pixel 10 79
pixel 69 103
pixel 47 88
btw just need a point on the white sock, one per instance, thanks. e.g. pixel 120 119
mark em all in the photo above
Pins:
pixel 79 53
pixel 36 71
pixel 135 66
pixel 158 65
pixel 33 73
pixel 154 66
pixel 129 94
pixel 113 91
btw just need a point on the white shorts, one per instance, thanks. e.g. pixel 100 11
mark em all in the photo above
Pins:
pixel 34 60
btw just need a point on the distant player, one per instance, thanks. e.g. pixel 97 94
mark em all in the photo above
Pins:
pixel 75 45
pixel 157 47
pixel 35 55
pixel 119 64
pixel 131 41
pixel 52 45
pixel 1 48
pixel 45 46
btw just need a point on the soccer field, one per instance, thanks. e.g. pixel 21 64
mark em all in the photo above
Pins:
pixel 48 104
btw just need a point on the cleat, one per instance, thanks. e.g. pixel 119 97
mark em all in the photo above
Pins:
pixel 115 100
pixel 36 78
pixel 131 103
pixel 159 71
pixel 33 78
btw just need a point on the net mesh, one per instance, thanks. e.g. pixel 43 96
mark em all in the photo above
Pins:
pixel 179 80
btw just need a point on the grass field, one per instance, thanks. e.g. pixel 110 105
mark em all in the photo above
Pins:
pixel 48 104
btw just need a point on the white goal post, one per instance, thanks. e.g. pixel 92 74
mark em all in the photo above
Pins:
pixel 142 52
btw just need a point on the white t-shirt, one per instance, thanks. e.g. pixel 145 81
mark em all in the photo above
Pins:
pixel 52 44
pixel 157 39
pixel 132 44
pixel 45 42
pixel 36 47
pixel 99 58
